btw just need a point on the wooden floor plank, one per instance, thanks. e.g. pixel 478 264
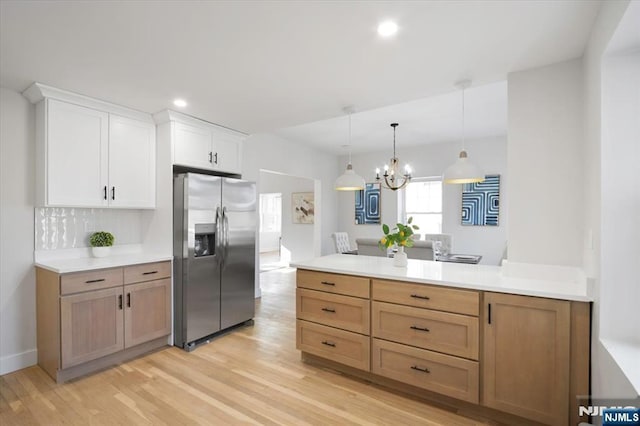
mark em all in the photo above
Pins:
pixel 253 375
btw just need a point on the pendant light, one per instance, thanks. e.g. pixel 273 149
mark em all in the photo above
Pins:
pixel 349 180
pixel 394 179
pixel 463 170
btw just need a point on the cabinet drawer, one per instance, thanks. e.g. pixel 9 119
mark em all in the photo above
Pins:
pixel 338 345
pixel 452 334
pixel 333 283
pixel 445 374
pixel 426 296
pixel 92 280
pixel 147 272
pixel 345 312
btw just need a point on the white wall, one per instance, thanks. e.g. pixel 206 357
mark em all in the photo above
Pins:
pixel 17 192
pixel 546 165
pixel 296 238
pixel 607 378
pixel 273 153
pixel 432 160
pixel 620 196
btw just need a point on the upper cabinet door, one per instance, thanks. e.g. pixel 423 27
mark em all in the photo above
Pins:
pixel 132 163
pixel 76 155
pixel 226 151
pixel 192 146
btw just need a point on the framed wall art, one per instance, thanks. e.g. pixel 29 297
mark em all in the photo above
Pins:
pixel 368 204
pixel 481 202
pixel 302 207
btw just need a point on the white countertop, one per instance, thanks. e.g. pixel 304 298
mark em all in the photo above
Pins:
pixel 476 277
pixel 65 264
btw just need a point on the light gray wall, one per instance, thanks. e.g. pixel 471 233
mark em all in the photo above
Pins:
pixel 17 192
pixel 432 160
pixel 296 237
pixel 545 164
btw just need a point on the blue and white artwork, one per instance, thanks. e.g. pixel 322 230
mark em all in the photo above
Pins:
pixel 481 202
pixel 368 204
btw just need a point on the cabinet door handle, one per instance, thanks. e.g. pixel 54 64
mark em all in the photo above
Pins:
pixel 210 157
pixel 424 370
pixel 95 281
pixel 328 343
pixel 329 310
pixel 120 301
pixel 105 192
pixel 215 158
pixel 150 273
pixel 415 327
pixel 113 192
pixel 128 300
pixel 327 283
pixel 489 313
pixel 417 296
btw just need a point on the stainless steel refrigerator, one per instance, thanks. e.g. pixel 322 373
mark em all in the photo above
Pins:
pixel 214 255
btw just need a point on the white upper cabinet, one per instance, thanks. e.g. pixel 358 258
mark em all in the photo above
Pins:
pixel 132 163
pixel 192 146
pixel 91 153
pixel 202 145
pixel 75 160
pixel 226 148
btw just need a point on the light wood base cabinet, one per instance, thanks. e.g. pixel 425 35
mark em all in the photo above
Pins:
pixel 89 320
pixel 515 359
pixel 526 361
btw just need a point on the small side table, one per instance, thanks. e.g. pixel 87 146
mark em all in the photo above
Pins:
pixel 460 258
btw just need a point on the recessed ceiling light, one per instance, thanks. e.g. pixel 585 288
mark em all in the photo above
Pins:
pixel 387 28
pixel 180 103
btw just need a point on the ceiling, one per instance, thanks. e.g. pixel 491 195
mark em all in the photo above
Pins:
pixel 428 120
pixel 258 66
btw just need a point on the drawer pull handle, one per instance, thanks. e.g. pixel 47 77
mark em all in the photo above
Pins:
pixel 149 273
pixel 415 327
pixel 95 281
pixel 417 296
pixel 327 283
pixel 329 310
pixel 328 343
pixel 424 370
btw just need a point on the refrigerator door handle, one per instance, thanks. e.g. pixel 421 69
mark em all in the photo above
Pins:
pixel 225 225
pixel 217 244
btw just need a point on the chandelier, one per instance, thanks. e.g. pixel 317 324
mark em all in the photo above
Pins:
pixel 394 179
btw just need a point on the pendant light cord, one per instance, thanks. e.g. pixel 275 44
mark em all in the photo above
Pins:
pixel 463 130
pixel 349 137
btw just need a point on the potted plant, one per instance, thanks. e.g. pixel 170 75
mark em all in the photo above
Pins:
pixel 101 243
pixel 402 237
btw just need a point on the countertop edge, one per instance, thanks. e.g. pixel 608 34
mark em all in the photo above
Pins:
pixel 65 266
pixel 576 297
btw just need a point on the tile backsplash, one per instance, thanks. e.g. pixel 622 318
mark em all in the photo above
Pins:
pixel 59 228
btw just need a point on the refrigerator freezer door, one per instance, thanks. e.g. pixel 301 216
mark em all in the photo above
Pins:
pixel 201 276
pixel 238 254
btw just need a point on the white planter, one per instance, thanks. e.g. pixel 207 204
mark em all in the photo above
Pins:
pixel 400 258
pixel 100 251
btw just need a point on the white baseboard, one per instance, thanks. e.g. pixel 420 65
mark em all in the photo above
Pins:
pixel 11 363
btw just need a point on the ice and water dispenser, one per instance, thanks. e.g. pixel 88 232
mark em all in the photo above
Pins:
pixel 205 244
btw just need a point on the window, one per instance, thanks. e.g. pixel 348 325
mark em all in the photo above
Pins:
pixel 270 212
pixel 422 200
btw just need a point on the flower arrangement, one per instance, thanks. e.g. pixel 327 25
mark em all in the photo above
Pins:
pixel 101 239
pixel 403 237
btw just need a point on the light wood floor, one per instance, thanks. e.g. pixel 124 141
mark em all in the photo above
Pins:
pixel 251 376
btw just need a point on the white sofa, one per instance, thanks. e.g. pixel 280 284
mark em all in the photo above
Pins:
pixel 420 250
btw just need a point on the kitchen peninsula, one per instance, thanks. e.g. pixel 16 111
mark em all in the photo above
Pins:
pixel 514 343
